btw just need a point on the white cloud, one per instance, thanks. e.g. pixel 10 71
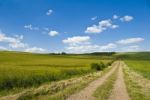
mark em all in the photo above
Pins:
pixel 86 48
pixel 108 46
pixel 30 27
pixel 115 17
pixel 94 18
pixel 94 29
pixel 126 18
pixel 132 48
pixel 17 45
pixel 76 40
pixel 102 26
pixel 114 26
pixel 49 12
pixel 35 50
pixel 13 42
pixel 53 33
pixel 3 48
pixel 130 40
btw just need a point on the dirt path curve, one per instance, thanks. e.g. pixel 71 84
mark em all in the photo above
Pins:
pixel 86 93
pixel 119 91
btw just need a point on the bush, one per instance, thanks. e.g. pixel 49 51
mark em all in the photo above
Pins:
pixel 95 66
pixel 109 63
pixel 98 66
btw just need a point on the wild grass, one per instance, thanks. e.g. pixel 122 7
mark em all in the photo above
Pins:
pixel 23 70
pixel 140 66
pixel 137 87
pixel 59 92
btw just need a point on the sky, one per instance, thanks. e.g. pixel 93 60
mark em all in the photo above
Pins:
pixel 74 26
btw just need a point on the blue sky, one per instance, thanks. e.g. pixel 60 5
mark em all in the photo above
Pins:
pixel 74 26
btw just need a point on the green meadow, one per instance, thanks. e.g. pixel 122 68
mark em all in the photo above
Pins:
pixel 138 61
pixel 22 70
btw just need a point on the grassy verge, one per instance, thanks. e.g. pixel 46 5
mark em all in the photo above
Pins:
pixel 136 91
pixel 62 92
pixel 140 66
pixel 103 92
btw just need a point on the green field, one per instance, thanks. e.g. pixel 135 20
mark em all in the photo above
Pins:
pixel 20 71
pixel 142 67
pixel 138 61
pixel 25 69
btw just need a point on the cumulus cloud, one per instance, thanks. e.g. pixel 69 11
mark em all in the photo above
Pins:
pixel 102 26
pixel 13 42
pixel 94 18
pixel 126 18
pixel 35 50
pixel 76 40
pixel 53 33
pixel 82 44
pixel 132 48
pixel 30 27
pixel 90 48
pixel 130 41
pixel 115 16
pixel 108 46
pixel 49 12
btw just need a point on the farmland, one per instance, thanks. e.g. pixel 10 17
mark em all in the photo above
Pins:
pixel 60 76
pixel 22 70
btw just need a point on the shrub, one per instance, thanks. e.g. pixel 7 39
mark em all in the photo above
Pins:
pixel 95 66
pixel 98 66
pixel 109 63
pixel 102 65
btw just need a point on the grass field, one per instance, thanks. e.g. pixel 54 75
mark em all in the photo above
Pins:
pixel 142 67
pixel 138 75
pixel 26 69
pixel 21 71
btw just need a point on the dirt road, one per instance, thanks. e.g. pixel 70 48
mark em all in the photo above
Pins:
pixel 119 91
pixel 86 93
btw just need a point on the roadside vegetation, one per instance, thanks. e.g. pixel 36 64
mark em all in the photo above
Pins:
pixel 138 87
pixel 142 67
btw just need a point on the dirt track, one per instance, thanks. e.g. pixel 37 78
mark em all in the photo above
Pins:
pixel 119 91
pixel 86 93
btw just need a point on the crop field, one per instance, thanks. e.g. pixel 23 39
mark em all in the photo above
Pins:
pixel 21 70
pixel 56 76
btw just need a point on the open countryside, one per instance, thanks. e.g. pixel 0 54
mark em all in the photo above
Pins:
pixel 74 50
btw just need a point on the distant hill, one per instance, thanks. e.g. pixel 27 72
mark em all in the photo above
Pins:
pixel 133 55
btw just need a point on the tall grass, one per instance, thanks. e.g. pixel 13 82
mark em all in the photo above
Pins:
pixel 22 70
pixel 140 66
